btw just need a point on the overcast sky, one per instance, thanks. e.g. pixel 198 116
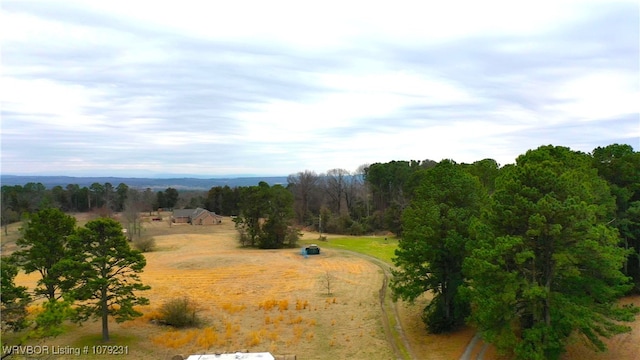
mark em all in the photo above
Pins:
pixel 213 88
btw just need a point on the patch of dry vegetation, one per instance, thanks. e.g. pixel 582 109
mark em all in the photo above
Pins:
pixel 259 300
pixel 275 300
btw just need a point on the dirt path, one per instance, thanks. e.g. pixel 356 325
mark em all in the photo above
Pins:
pixel 469 349
pixel 398 341
pixel 475 347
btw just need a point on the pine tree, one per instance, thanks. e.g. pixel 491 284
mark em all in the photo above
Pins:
pixel 107 271
pixel 433 246
pixel 546 262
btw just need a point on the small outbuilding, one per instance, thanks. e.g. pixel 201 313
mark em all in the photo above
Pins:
pixel 312 249
pixel 234 356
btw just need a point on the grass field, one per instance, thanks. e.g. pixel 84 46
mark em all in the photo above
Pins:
pixel 275 300
pixel 380 247
pixel 256 300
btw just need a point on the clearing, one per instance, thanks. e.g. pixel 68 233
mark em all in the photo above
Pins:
pixel 277 301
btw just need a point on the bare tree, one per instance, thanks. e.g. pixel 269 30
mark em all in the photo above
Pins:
pixel 148 198
pixel 133 206
pixel 327 282
pixel 353 193
pixel 363 192
pixel 303 186
pixel 335 187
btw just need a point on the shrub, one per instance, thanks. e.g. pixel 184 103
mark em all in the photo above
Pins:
pixel 292 237
pixel 268 304
pixel 283 305
pixel 356 228
pixel 243 237
pixel 376 221
pixel 145 243
pixel 180 313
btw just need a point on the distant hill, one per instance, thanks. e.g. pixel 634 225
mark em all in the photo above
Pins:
pixel 142 183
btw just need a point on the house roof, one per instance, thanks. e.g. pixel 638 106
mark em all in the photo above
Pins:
pixel 192 213
pixel 243 356
pixel 199 211
pixel 183 212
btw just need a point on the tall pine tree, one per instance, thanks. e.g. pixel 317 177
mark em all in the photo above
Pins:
pixel 433 246
pixel 547 262
pixel 107 271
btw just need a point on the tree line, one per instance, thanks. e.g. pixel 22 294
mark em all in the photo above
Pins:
pixel 529 252
pixel 19 200
pixel 541 251
pixel 366 200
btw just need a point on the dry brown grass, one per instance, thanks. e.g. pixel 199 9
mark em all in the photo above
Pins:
pixel 259 300
pixel 274 300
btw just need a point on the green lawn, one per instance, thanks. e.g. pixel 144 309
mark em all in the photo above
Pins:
pixel 375 246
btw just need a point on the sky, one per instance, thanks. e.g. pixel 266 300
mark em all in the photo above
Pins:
pixel 272 88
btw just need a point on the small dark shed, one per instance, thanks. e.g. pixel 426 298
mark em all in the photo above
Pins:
pixel 313 249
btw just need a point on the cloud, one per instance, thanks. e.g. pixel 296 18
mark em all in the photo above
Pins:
pixel 136 88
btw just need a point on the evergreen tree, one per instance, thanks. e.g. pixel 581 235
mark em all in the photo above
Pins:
pixel 433 246
pixel 546 263
pixel 43 246
pixel 265 217
pixel 14 299
pixel 107 272
pixel 620 166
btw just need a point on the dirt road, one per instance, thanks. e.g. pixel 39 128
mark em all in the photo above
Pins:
pixel 395 334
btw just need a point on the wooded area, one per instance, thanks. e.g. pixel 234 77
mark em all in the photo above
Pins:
pixel 529 252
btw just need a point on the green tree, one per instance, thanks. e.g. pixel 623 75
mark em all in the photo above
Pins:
pixel 107 271
pixel 161 201
pixel 171 197
pixel 265 216
pixel 42 247
pixel 222 200
pixel 60 198
pixel 620 166
pixel 387 181
pixel 8 214
pixel 122 191
pixel 391 188
pixel 433 246
pixel 276 230
pixel 545 262
pixel 253 203
pixel 14 299
pixel 96 191
pixel 486 170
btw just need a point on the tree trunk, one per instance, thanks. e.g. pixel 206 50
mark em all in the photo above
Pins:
pixel 626 263
pixel 105 315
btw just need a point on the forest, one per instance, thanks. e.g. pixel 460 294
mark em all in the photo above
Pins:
pixel 553 238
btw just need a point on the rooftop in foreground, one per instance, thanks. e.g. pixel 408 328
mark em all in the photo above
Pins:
pixel 234 356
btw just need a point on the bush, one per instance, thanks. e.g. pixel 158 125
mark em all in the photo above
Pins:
pixel 180 313
pixel 145 244
pixel 356 228
pixel 292 237
pixel 244 238
pixel 376 221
